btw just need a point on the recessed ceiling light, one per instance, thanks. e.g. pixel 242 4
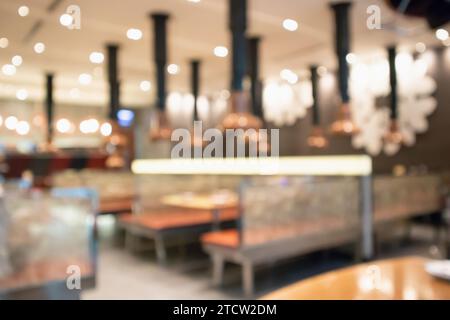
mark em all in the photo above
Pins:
pixel 442 34
pixel 11 123
pixel 290 24
pixel 421 47
pixel 22 94
pixel 4 42
pixel 9 70
pixel 39 47
pixel 194 1
pixel 63 125
pixel 106 129
pixel 66 19
pixel 134 34
pixel 173 68
pixel 220 51
pixel 85 79
pixel 145 85
pixel 17 60
pixel 89 126
pixel 351 58
pixel 22 128
pixel 23 11
pixel 96 57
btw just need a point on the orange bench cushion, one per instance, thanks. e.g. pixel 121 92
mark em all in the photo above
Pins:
pixel 170 219
pixel 225 238
pixel 115 205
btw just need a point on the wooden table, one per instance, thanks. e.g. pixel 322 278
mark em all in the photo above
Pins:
pixel 394 279
pixel 214 202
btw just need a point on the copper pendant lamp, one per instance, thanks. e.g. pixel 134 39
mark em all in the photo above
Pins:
pixel 159 124
pixel 344 124
pixel 240 116
pixel 316 138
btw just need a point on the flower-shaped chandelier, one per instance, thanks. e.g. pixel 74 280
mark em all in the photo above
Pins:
pixel 369 84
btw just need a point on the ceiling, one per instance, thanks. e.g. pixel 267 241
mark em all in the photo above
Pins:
pixel 194 30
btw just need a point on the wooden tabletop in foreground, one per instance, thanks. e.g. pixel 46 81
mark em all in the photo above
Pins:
pixel 212 201
pixel 393 279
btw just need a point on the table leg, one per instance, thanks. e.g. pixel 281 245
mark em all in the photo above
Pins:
pixel 216 219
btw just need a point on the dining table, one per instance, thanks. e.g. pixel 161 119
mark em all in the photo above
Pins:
pixel 215 202
pixel 403 278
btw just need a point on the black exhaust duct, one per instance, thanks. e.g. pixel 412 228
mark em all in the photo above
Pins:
pixel 49 104
pixel 316 138
pixel 254 74
pixel 239 116
pixel 344 124
pixel 195 84
pixel 393 135
pixel 159 128
pixel 113 81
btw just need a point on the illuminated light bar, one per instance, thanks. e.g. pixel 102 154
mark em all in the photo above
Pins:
pixel 359 165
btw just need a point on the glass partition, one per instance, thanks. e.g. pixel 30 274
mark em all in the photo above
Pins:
pixel 45 237
pixel 400 197
pixel 278 208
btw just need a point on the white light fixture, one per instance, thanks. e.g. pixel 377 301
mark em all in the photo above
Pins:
pixel 66 19
pixel 23 11
pixel 309 165
pixel 22 94
pixel 145 85
pixel 194 1
pixel 421 47
pixel 63 125
pixel 220 51
pixel 9 70
pixel 106 129
pixel 17 60
pixel 96 57
pixel 134 34
pixel 11 123
pixel 22 128
pixel 442 34
pixel 290 24
pixel 173 68
pixel 289 76
pixel 351 58
pixel 39 47
pixel 4 42
pixel 85 79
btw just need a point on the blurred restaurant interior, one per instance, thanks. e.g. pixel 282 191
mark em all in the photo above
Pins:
pixel 224 149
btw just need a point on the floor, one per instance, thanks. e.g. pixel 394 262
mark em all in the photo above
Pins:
pixel 128 275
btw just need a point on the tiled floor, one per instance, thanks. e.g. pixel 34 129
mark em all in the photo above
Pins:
pixel 125 275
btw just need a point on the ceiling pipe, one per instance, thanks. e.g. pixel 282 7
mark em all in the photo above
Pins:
pixel 393 135
pixel 344 124
pixel 239 117
pixel 159 129
pixel 254 75
pixel 195 84
pixel 316 138
pixel 49 107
